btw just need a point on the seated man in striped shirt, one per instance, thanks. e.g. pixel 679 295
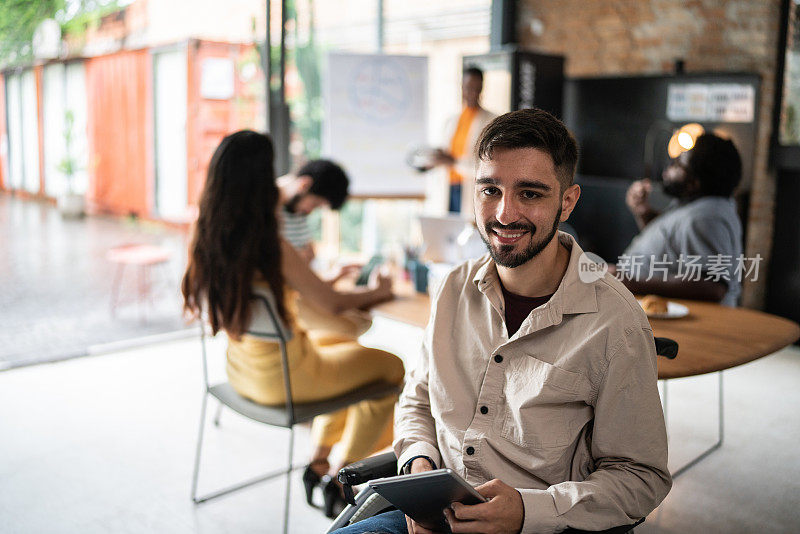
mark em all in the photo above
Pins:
pixel 319 183
pixel 316 184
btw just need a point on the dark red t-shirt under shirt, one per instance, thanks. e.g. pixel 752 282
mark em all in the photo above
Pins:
pixel 518 308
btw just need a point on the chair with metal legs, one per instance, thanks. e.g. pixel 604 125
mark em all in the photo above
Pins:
pixel 720 425
pixel 266 324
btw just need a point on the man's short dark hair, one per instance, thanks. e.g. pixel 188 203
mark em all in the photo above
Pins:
pixel 472 70
pixel 532 128
pixel 716 164
pixel 328 180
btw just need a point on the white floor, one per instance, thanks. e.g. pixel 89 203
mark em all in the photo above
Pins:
pixel 106 444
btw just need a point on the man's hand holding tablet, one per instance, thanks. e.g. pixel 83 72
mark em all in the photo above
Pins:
pixel 503 512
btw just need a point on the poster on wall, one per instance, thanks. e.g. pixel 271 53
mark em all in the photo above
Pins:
pixel 375 113
pixel 216 78
pixel 711 102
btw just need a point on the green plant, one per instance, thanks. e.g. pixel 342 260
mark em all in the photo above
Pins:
pixel 68 164
pixel 791 129
pixel 306 108
pixel 18 21
pixel 88 15
pixel 20 18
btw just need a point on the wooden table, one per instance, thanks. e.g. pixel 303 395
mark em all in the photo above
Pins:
pixel 408 307
pixel 711 338
pixel 714 338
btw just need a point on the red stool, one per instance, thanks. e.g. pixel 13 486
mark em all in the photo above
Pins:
pixel 145 257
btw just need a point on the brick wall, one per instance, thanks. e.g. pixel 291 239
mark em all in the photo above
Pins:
pixel 618 37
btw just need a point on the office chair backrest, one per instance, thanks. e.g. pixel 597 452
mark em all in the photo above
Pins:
pixel 265 323
pixel 264 319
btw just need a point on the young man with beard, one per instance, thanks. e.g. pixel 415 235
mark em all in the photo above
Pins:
pixel 316 184
pixel 701 223
pixel 537 383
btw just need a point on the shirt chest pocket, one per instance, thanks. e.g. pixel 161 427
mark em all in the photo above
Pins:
pixel 539 401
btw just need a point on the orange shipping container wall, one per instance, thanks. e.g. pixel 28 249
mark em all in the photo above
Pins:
pixel 209 120
pixel 121 158
pixel 120 122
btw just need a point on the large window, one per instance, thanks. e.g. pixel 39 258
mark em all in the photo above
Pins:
pixel 132 99
pixel 443 31
pixel 150 87
pixel 790 112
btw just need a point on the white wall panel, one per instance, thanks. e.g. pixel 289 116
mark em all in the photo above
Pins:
pixel 170 86
pixel 14 111
pixel 30 133
pixel 64 89
pixel 53 126
pixel 77 103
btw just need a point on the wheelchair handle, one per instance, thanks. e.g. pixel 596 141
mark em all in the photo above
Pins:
pixel 666 347
pixel 379 466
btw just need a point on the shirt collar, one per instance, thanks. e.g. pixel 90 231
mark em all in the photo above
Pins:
pixel 573 296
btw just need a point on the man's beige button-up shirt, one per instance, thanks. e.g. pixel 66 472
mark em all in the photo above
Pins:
pixel 566 410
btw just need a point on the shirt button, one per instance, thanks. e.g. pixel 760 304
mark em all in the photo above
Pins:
pixel 484 410
pixel 498 358
pixel 470 451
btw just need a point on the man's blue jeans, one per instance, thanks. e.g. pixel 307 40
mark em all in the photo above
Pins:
pixel 385 523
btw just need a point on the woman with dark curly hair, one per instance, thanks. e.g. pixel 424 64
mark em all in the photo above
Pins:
pixel 235 247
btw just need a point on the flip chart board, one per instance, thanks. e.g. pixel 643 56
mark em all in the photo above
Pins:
pixel 376 112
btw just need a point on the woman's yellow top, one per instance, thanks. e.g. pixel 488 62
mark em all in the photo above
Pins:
pixel 254 365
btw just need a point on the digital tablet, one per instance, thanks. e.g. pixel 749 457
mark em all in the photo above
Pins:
pixel 373 263
pixel 424 496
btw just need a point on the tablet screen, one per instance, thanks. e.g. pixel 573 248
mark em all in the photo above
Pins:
pixel 424 496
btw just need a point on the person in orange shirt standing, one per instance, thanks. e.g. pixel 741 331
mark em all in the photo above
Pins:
pixel 462 131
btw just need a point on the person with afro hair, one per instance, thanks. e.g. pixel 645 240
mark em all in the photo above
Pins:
pixel 691 249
